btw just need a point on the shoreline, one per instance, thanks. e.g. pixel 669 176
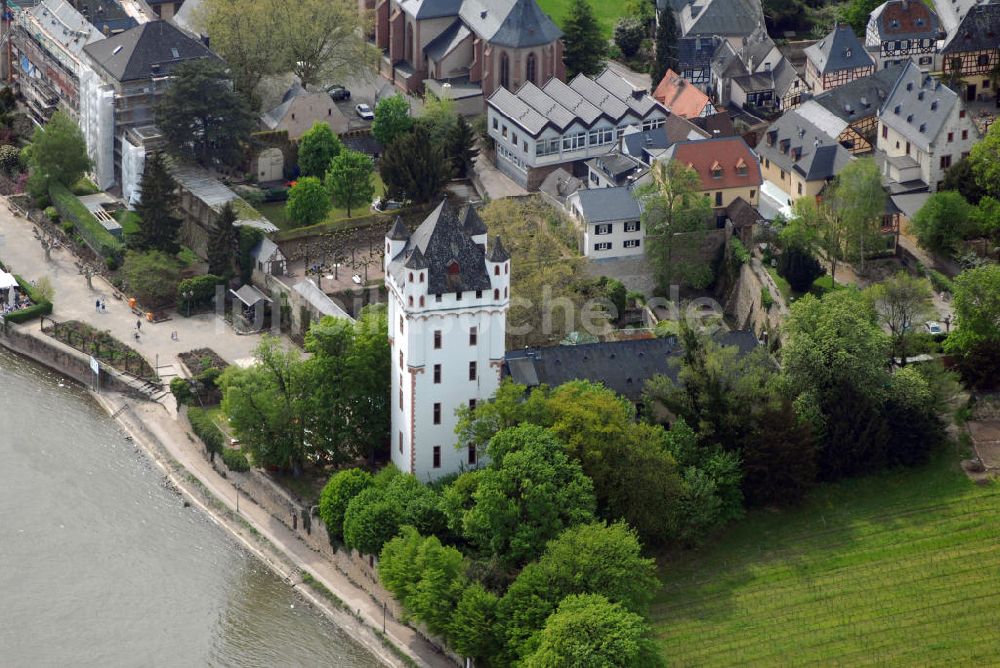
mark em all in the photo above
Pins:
pixel 193 490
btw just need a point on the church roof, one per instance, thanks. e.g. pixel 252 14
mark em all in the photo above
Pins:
pixel 398 231
pixel 514 23
pixel 497 252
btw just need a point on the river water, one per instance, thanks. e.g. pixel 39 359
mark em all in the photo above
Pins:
pixel 101 565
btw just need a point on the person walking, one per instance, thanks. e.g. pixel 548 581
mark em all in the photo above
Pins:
pixel 138 325
pixel 97 305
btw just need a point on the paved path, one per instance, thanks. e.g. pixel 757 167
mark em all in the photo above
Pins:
pixel 75 300
pixel 497 184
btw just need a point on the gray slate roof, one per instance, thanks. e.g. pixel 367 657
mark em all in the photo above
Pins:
pixel 444 43
pixel 862 97
pixel 622 366
pixel 980 29
pixel 600 205
pixel 320 300
pixel 720 17
pixel 918 106
pixel 66 25
pixel 157 43
pixel 839 50
pixel 695 52
pixel 821 156
pixel 514 23
pixel 431 9
pixel 439 241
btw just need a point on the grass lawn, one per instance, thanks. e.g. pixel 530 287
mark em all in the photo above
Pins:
pixel 275 211
pixel 606 11
pixel 895 569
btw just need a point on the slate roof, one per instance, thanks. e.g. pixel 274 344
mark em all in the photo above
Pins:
pixel 67 26
pixel 431 9
pixel 979 29
pixel 157 43
pixel 398 231
pixel 497 252
pixel 320 300
pixel 904 19
pixel 600 205
pixel 821 117
pixel 514 23
pixel 716 125
pixel 720 17
pixel 680 96
pixel 862 97
pixel 727 152
pixel 695 52
pixel 743 214
pixel 545 105
pixel 472 223
pixel 821 157
pixel 839 50
pixel 446 42
pixel 622 366
pixel 614 164
pixel 572 100
pixel 785 78
pixel 918 106
pixel 440 241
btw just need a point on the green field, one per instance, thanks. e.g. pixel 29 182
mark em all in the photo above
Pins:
pixel 607 12
pixel 275 211
pixel 895 569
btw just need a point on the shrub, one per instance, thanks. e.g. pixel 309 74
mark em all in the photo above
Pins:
pixel 765 297
pixel 40 306
pixel 740 252
pixel 52 214
pixel 181 390
pixel 203 288
pixel 628 36
pixel 85 224
pixel 205 429
pixel 939 281
pixel 799 268
pixel 235 460
pixel 338 492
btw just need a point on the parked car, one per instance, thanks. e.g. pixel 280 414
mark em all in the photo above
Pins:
pixel 338 93
pixel 365 112
pixel 933 328
pixel 383 204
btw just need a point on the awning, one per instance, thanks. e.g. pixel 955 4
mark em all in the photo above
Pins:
pixel 7 281
pixel 250 295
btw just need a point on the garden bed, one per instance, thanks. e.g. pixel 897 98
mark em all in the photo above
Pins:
pixel 201 360
pixel 102 346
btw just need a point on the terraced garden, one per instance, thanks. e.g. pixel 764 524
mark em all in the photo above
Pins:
pixel 896 569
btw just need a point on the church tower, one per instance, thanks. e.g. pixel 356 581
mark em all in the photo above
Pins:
pixel 448 299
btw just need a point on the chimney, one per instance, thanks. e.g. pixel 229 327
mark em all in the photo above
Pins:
pixel 906 5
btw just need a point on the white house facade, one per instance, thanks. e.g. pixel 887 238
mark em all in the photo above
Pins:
pixel 448 298
pixel 611 222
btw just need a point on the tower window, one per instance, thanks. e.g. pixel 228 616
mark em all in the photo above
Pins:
pixel 473 336
pixel 401 441
pixel 437 413
pixel 479 294
pixel 437 457
pixel 437 339
pixel 409 300
pixel 472 453
pixel 437 374
pixel 400 359
pixel 472 370
pixel 496 294
pixel 472 404
pixel 496 270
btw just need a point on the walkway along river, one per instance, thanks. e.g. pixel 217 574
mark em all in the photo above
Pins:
pixel 101 564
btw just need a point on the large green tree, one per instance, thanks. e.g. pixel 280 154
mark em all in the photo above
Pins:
pixel 475 631
pixel 308 202
pixel 588 559
pixel 414 168
pixel 462 147
pixel 816 228
pixel 152 277
pixel 666 46
pixel 976 341
pixel 342 487
pixel 530 493
pixel 317 147
pixel 902 302
pixel 57 154
pixel 222 243
pixel 856 14
pixel 858 200
pixel 588 631
pixel 201 117
pixel 349 180
pixel 376 514
pixel 323 40
pixel 392 119
pixel 676 217
pixel 159 225
pixel 583 44
pixel 943 221
pixel 985 159
pixel 779 457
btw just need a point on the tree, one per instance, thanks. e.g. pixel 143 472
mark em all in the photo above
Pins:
pixel 985 159
pixel 676 217
pixel 375 515
pixel 977 340
pixel 152 277
pixel 856 14
pixel 349 180
pixel 629 33
pixel 308 202
pixel 816 227
pixel 644 11
pixel 392 119
pixel 779 458
pixel 588 631
pixel 902 302
pixel 666 46
pixel 235 28
pixel 798 266
pixel 531 492
pixel 10 159
pixel 57 154
pixel 323 40
pixel 159 227
pixel 961 177
pixel 588 559
pixel 222 243
pixel 318 146
pixel 267 403
pixel 342 487
pixel 463 149
pixel 942 222
pixel 201 117
pixel 414 168
pixel 583 45
pixel 439 118
pixel 858 200
pixel 474 630
pixel 913 420
pixel 855 435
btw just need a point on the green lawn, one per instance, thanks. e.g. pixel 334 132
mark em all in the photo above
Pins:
pixel 607 12
pixel 275 211
pixel 895 569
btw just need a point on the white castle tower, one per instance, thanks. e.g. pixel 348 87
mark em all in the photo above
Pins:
pixel 448 300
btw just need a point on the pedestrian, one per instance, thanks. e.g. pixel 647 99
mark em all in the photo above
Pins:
pixel 295 521
pixel 136 334
pixel 138 325
pixel 97 305
pixel 104 306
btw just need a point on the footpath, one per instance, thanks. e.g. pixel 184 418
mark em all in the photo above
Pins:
pixel 157 428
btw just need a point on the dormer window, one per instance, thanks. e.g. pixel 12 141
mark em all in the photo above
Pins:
pixel 741 167
pixel 896 110
pixel 454 269
pixel 716 170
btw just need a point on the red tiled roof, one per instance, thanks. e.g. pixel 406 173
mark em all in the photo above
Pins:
pixel 726 153
pixel 900 18
pixel 680 96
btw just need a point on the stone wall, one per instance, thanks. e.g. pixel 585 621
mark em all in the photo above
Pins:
pixel 744 303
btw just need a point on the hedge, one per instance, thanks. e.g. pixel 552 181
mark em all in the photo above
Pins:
pixel 206 429
pixel 235 460
pixel 93 233
pixel 203 288
pixel 39 308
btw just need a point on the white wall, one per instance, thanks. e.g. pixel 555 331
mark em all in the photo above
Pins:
pixel 133 163
pixel 97 121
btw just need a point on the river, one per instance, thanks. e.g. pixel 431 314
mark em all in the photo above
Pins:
pixel 102 565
